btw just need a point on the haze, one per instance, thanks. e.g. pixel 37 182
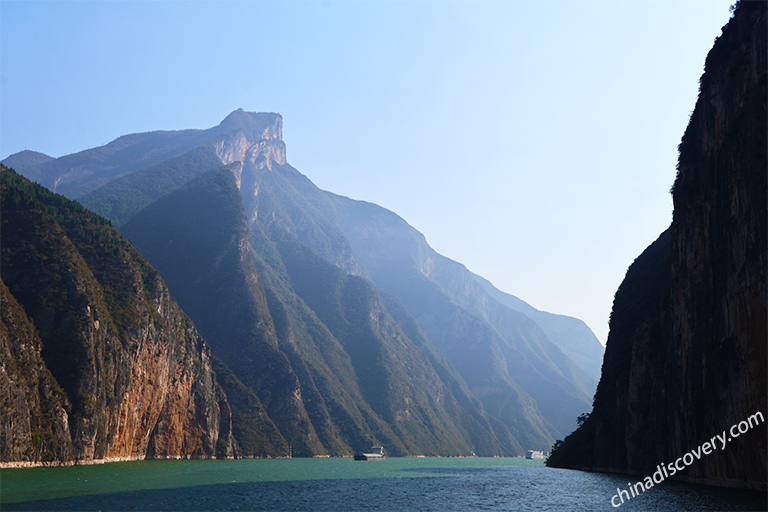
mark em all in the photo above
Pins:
pixel 534 142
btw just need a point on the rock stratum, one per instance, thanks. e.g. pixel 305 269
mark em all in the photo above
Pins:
pixel 686 357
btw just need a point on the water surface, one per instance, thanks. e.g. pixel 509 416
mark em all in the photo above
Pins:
pixel 340 484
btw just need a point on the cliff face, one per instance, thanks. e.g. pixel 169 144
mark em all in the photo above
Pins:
pixel 312 345
pixel 99 360
pixel 686 356
pixel 78 174
pixel 313 357
pixel 34 407
pixel 197 237
pixel 719 254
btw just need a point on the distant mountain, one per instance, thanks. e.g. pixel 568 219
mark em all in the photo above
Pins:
pixel 456 313
pixel 77 174
pixel 686 357
pixel 98 361
pixel 319 342
pixel 275 321
pixel 573 336
pixel 25 159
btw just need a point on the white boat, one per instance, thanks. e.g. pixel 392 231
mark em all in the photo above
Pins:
pixel 376 453
pixel 535 454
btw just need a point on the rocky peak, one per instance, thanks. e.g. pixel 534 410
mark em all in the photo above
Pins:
pixel 254 138
pixel 255 125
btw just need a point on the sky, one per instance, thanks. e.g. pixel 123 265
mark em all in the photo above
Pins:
pixel 534 142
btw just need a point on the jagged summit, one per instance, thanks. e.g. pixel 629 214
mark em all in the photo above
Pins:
pixel 255 125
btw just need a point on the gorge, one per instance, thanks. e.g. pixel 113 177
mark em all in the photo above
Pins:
pixel 317 325
pixel 686 355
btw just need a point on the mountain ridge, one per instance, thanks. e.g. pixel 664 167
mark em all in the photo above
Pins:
pixel 87 319
pixel 329 362
pixel 398 259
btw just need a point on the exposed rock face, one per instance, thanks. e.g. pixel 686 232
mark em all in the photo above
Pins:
pixel 33 412
pixel 99 360
pixel 198 238
pixel 719 254
pixel 252 137
pixel 686 357
pixel 312 356
pixel 316 352
pixel 81 173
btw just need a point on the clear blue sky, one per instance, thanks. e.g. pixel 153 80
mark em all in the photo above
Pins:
pixel 535 142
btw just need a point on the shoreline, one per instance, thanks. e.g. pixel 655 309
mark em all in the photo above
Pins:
pixel 23 464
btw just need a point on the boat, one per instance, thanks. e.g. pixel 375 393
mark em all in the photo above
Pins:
pixel 376 453
pixel 535 454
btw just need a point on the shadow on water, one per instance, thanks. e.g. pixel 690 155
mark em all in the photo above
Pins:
pixel 423 489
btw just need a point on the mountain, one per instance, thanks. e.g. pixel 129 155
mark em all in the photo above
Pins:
pixel 98 360
pixel 571 335
pixel 511 362
pixel 686 357
pixel 77 174
pixel 327 353
pixel 26 159
pixel 272 318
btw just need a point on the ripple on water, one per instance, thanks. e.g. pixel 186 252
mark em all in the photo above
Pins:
pixel 394 484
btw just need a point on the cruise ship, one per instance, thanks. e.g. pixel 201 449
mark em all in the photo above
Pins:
pixel 376 453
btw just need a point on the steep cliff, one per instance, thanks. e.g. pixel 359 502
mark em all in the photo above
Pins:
pixel 240 137
pixel 197 238
pixel 34 422
pixel 686 357
pixel 323 360
pixel 98 360
pixel 313 344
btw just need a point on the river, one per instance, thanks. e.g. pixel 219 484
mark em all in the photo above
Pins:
pixel 341 484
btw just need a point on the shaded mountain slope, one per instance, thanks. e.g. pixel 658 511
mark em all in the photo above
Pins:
pixel 252 250
pixel 686 357
pixel 113 368
pixel 122 198
pixel 278 194
pixel 466 402
pixel 571 335
pixel 286 198
pixel 393 375
pixel 461 318
pixel 347 376
pixel 197 238
pixel 476 352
